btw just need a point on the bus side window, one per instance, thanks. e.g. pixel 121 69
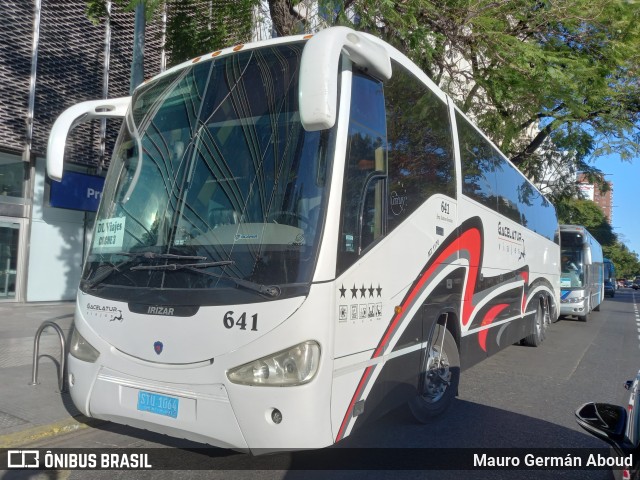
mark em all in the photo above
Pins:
pixel 479 163
pixel 420 143
pixel 362 220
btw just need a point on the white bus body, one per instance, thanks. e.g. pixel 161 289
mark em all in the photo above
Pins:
pixel 582 275
pixel 296 235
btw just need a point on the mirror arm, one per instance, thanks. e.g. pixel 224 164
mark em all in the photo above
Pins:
pixel 71 118
pixel 318 90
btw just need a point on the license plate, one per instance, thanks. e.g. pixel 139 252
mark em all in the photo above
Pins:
pixel 158 404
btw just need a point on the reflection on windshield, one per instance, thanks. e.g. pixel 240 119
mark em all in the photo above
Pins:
pixel 213 162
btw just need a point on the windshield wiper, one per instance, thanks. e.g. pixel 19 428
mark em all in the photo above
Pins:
pixel 104 271
pixel 180 266
pixel 168 256
pixel 268 290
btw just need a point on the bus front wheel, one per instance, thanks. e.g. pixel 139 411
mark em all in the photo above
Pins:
pixel 439 378
pixel 587 309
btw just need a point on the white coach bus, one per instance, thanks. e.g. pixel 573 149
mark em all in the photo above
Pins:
pixel 582 272
pixel 294 236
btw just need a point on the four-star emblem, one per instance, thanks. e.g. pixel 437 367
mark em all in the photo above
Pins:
pixel 363 291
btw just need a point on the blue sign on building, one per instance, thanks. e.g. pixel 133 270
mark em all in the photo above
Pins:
pixel 77 191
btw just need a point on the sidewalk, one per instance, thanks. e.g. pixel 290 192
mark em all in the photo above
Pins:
pixel 27 412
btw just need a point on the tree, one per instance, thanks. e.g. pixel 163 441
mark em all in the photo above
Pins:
pixel 553 84
pixel 291 17
pixel 546 80
pixel 588 214
pixel 626 262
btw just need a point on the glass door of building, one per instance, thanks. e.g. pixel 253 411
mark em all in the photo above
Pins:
pixel 9 260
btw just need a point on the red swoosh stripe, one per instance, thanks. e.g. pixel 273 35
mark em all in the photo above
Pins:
pixel 471 241
pixel 488 320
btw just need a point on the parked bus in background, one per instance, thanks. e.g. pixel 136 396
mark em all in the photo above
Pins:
pixel 294 236
pixel 610 272
pixel 582 272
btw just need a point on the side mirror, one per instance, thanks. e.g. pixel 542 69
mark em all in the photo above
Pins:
pixel 607 422
pixel 72 117
pixel 318 89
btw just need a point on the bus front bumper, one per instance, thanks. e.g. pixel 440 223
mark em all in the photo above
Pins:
pixel 573 307
pixel 201 413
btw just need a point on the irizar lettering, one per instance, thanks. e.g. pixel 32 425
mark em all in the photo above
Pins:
pixel 159 310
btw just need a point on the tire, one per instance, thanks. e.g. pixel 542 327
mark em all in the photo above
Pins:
pixel 437 386
pixel 539 333
pixel 585 317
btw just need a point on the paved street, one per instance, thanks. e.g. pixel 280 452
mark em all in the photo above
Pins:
pixel 522 397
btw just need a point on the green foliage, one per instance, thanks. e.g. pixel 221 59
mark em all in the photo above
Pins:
pixel 97 9
pixel 541 78
pixel 193 26
pixel 553 83
pixel 588 214
pixel 626 262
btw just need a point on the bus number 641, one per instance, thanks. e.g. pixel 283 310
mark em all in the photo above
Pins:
pixel 230 321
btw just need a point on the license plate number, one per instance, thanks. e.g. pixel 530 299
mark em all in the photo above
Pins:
pixel 158 404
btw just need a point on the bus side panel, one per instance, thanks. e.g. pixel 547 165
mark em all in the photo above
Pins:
pixel 385 281
pixel 399 374
pixel 512 257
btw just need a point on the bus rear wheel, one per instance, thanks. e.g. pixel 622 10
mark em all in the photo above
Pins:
pixel 538 335
pixel 439 378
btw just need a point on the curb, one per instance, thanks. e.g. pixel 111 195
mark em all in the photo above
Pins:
pixel 27 436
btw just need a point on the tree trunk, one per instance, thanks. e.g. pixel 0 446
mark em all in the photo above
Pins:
pixel 283 16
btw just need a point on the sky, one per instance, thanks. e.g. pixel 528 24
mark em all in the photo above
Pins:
pixel 625 177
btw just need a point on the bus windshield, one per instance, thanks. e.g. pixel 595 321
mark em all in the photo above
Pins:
pixel 572 274
pixel 214 184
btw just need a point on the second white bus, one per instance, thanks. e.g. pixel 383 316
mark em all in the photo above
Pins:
pixel 582 272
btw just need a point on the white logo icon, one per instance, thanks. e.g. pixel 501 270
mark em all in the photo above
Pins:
pixel 23 459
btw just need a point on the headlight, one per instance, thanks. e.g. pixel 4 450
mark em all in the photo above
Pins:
pixel 81 349
pixel 573 300
pixel 293 366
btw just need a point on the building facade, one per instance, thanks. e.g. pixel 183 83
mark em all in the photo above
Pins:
pixel 52 57
pixel 604 199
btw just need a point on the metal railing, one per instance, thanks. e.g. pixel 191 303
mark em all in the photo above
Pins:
pixel 36 353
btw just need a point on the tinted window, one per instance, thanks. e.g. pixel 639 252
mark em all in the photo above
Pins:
pixel 479 163
pixel 493 181
pixel 512 190
pixel 420 145
pixel 541 217
pixel 365 171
